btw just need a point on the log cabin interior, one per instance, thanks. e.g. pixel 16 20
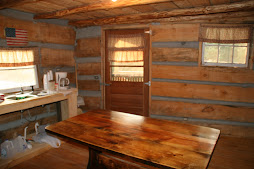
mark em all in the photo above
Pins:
pixel 187 61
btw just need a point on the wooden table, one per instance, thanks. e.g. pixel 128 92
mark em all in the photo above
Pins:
pixel 122 140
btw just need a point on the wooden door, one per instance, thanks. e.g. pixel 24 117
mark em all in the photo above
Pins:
pixel 127 71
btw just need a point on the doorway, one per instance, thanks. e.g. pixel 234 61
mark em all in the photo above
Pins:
pixel 127 71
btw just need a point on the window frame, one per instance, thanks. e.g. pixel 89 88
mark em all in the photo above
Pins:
pixel 35 67
pixel 232 65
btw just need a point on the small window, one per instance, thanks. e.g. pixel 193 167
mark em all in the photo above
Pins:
pixel 18 69
pixel 225 45
pixel 230 55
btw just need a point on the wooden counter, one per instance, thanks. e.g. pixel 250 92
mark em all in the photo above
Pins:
pixel 68 103
pixel 121 140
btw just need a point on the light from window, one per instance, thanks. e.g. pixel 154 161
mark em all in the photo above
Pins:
pixel 17 69
pixel 13 78
pixel 229 55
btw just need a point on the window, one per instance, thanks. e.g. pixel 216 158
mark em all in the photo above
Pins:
pixel 219 54
pixel 126 56
pixel 17 69
pixel 225 45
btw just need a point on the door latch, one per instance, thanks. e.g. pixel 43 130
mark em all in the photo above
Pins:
pixel 105 84
pixel 148 83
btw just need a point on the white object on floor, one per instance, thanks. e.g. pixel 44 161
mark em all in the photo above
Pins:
pixel 80 101
pixel 7 149
pixel 42 137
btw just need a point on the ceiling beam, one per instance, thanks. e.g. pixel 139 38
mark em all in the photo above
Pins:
pixel 208 18
pixel 98 6
pixel 136 18
pixel 11 3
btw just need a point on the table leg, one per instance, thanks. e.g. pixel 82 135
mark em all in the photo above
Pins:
pixel 93 159
pixel 100 160
pixel 58 110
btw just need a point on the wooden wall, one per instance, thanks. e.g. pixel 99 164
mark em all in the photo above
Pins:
pixel 88 61
pixel 14 123
pixel 183 90
pixel 55 45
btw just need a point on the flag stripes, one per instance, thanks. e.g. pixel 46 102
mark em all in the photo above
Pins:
pixel 16 37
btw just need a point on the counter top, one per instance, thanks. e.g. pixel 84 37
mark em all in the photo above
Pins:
pixel 9 105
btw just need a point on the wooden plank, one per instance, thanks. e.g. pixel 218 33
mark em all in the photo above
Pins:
pixel 213 74
pixel 149 17
pixel 89 68
pixel 183 4
pixel 174 55
pixel 57 34
pixel 107 161
pixel 234 146
pixel 11 3
pixel 40 32
pixel 202 111
pixel 200 3
pixel 217 2
pixel 134 90
pixel 57 57
pixel 218 18
pixel 144 8
pixel 88 47
pixel 91 103
pixel 131 110
pixel 95 6
pixel 129 101
pixel 164 6
pixel 175 32
pixel 72 103
pixel 72 77
pixel 200 91
pixel 89 85
pixel 228 130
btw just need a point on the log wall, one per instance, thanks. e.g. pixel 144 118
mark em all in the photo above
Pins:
pixel 55 45
pixel 88 61
pixel 183 90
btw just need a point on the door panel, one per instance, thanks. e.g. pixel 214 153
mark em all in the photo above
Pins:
pixel 126 70
pixel 128 100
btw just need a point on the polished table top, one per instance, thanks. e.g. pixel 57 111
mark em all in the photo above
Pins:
pixel 159 142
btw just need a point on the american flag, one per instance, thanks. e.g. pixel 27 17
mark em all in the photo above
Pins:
pixel 16 37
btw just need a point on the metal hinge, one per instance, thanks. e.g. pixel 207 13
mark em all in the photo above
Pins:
pixel 148 83
pixel 150 32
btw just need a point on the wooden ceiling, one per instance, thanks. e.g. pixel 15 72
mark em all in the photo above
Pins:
pixel 81 13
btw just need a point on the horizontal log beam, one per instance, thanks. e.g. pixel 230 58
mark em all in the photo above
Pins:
pixel 98 6
pixel 174 15
pixel 11 3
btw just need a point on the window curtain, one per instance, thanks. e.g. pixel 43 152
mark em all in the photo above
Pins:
pixel 14 57
pixel 225 33
pixel 126 48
